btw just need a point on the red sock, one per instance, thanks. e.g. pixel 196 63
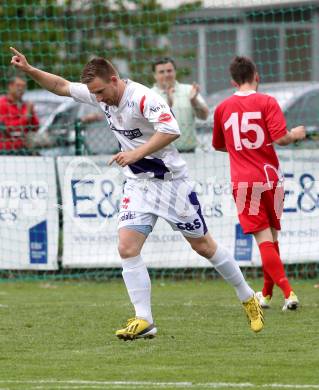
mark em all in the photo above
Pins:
pixel 276 243
pixel 268 282
pixel 273 266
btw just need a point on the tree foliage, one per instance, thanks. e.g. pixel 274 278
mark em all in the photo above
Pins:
pixel 61 37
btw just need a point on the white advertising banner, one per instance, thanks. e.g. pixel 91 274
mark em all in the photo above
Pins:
pixel 92 191
pixel 28 213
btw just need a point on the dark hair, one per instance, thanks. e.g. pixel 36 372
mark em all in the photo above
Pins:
pixel 98 67
pixel 242 70
pixel 14 74
pixel 162 61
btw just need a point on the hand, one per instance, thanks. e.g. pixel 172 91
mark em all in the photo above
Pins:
pixel 19 60
pixel 194 92
pixel 170 91
pixel 125 158
pixel 298 133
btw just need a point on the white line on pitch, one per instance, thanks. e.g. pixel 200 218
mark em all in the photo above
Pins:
pixel 69 384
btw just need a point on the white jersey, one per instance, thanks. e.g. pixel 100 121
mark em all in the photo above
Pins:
pixel 140 114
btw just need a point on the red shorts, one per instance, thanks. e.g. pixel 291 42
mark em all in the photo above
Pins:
pixel 258 209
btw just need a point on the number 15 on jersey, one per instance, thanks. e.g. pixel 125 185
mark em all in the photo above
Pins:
pixel 245 126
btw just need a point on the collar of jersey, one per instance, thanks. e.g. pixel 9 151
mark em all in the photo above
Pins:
pixel 124 96
pixel 244 93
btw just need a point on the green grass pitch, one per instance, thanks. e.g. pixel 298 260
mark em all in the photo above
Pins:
pixel 60 335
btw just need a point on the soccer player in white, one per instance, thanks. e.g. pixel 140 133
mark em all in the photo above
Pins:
pixel 156 185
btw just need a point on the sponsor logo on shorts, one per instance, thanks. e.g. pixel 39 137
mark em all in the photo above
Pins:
pixel 127 215
pixel 189 226
pixel 125 202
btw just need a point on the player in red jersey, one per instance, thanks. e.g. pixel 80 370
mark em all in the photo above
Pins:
pixel 246 125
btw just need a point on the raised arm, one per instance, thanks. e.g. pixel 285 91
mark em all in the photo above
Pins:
pixel 49 81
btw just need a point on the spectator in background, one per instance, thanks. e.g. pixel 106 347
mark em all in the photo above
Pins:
pixel 17 118
pixel 184 100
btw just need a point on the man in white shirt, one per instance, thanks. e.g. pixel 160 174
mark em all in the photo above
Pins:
pixel 156 186
pixel 185 101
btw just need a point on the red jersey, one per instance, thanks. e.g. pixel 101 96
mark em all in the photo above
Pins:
pixel 246 124
pixel 15 122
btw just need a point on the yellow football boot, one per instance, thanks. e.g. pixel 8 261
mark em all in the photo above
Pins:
pixel 136 328
pixel 254 314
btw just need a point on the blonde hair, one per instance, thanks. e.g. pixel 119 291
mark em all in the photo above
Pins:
pixel 98 67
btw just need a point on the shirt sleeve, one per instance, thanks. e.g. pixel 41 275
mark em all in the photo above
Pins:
pixel 154 108
pixel 275 120
pixel 218 134
pixel 80 93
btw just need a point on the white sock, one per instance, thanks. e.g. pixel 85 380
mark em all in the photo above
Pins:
pixel 138 285
pixel 228 268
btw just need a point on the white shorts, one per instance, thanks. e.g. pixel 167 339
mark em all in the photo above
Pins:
pixel 144 201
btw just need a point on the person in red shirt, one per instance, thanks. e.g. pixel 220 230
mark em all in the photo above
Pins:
pixel 17 118
pixel 246 125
